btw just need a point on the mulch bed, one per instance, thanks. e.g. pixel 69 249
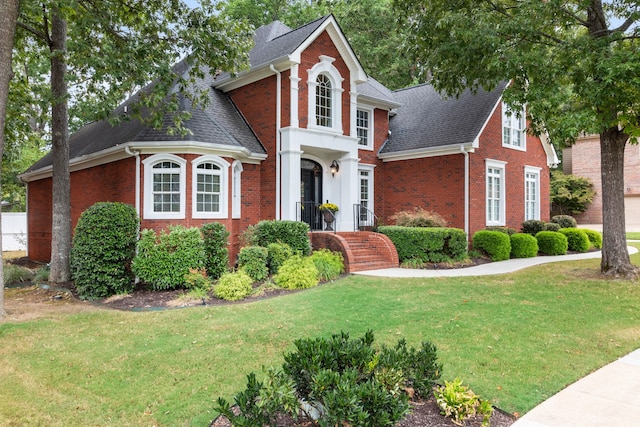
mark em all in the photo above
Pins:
pixel 424 413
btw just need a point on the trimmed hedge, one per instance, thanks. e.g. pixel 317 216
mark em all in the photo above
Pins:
pixel 104 245
pixel 293 233
pixel 507 230
pixel 595 238
pixel 427 244
pixel 523 246
pixel 577 239
pixel 496 244
pixel 552 242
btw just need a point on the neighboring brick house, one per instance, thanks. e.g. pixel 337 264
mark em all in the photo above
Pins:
pixel 583 159
pixel 306 125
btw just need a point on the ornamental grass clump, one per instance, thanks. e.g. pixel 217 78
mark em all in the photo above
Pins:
pixel 418 217
pixel 329 264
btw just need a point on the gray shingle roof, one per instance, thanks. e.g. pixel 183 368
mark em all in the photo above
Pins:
pixel 275 41
pixel 218 123
pixel 428 120
pixel 374 89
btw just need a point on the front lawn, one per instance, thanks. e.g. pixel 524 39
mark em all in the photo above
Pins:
pixel 633 235
pixel 516 339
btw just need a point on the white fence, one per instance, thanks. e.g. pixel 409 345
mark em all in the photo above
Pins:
pixel 14 231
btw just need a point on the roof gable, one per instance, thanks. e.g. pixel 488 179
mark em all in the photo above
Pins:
pixel 277 45
pixel 428 121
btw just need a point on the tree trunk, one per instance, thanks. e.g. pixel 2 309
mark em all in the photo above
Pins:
pixel 615 257
pixel 61 215
pixel 8 19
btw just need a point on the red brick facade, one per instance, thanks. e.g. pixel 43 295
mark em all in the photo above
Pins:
pixel 432 183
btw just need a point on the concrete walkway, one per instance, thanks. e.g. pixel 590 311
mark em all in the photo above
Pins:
pixel 609 397
pixel 500 267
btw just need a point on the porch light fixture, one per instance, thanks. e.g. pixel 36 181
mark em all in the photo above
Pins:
pixel 335 167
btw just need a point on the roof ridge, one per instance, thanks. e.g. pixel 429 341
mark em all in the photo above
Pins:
pixel 322 18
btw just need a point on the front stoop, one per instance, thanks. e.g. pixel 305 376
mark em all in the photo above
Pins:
pixel 362 250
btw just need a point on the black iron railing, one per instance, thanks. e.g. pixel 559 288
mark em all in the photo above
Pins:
pixel 318 220
pixel 364 219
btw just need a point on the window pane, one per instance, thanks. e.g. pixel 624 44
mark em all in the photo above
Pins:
pixel 362 127
pixel 208 188
pixel 323 101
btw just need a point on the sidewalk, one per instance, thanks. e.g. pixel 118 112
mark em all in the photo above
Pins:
pixel 609 397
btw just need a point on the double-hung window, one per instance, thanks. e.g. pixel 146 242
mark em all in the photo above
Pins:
pixel 366 195
pixel 165 187
pixel 496 202
pixel 513 128
pixel 364 128
pixel 531 193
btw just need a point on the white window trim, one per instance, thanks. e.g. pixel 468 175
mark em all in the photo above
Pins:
pixel 325 66
pixel 224 189
pixel 533 171
pixel 236 190
pixel 507 117
pixel 496 164
pixel 148 163
pixel 370 138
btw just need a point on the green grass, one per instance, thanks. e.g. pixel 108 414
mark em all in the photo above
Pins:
pixel 515 339
pixel 633 235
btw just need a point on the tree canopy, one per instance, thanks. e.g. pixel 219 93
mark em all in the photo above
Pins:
pixel 574 64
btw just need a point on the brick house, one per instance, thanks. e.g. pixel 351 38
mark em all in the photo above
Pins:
pixel 306 125
pixel 583 159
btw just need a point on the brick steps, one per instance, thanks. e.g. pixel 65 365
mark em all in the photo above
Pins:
pixel 362 250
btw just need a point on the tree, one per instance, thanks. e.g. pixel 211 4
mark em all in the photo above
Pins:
pixel 575 64
pixel 570 194
pixel 102 50
pixel 8 17
pixel 376 39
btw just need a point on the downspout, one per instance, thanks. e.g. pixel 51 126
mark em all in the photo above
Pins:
pixel 278 141
pixel 135 154
pixel 466 190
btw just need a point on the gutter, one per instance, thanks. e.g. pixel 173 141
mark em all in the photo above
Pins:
pixel 135 154
pixel 466 191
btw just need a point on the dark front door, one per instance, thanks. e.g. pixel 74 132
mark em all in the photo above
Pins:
pixel 311 193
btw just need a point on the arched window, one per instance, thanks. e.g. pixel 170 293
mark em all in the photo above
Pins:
pixel 325 96
pixel 323 101
pixel 164 189
pixel 209 193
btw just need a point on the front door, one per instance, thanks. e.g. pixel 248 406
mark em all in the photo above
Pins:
pixel 310 193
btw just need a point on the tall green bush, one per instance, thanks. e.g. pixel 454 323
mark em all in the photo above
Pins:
pixel 253 261
pixel 495 244
pixel 552 242
pixel 277 254
pixel 570 194
pixel 523 246
pixel 427 244
pixel 216 249
pixel 293 233
pixel 104 244
pixel 164 259
pixel 577 239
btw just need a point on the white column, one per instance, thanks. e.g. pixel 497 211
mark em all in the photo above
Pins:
pixel 290 169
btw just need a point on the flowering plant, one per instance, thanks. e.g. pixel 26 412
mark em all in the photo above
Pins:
pixel 329 207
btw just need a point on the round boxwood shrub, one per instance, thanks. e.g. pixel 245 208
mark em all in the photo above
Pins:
pixel 495 244
pixel 552 226
pixel 577 239
pixel 104 244
pixel 532 226
pixel 233 286
pixel 523 246
pixel 297 273
pixel 595 238
pixel 565 221
pixel 552 243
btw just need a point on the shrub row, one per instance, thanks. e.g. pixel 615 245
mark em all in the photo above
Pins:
pixel 499 245
pixel 427 244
